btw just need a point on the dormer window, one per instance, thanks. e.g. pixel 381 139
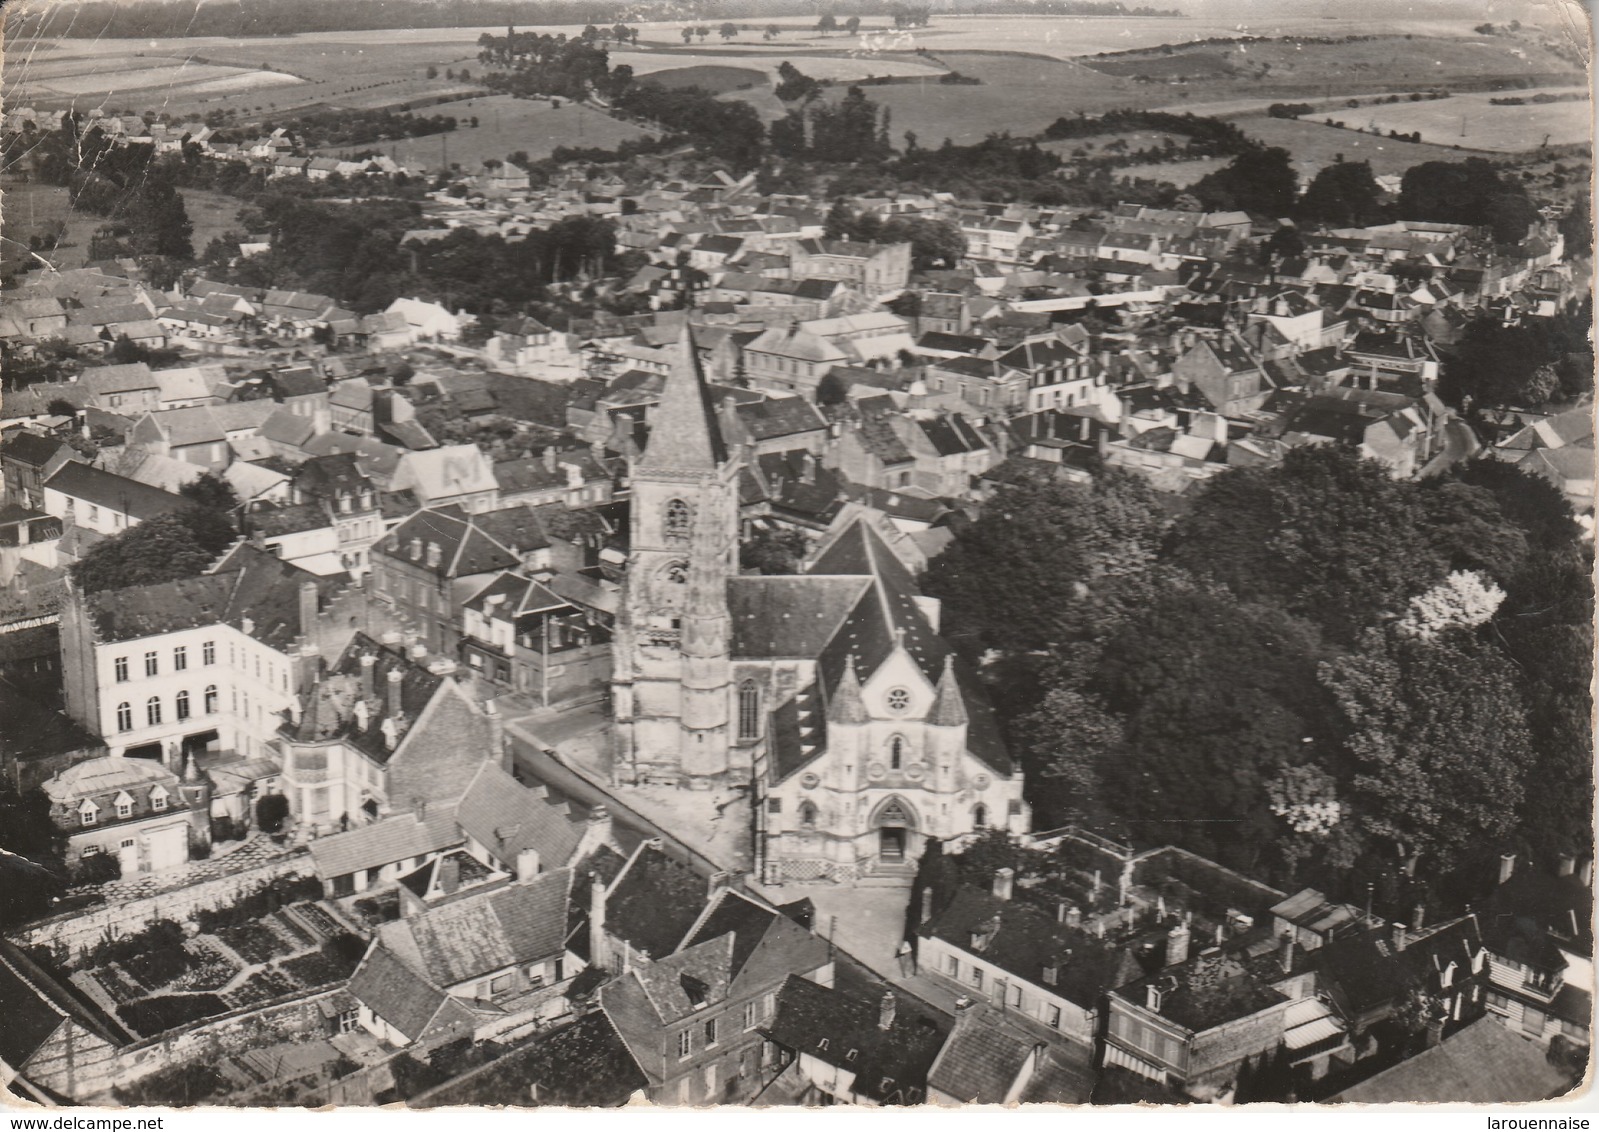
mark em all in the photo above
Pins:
pixel 158 799
pixel 124 805
pixel 88 812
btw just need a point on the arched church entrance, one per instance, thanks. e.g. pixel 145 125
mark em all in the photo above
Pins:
pixel 895 824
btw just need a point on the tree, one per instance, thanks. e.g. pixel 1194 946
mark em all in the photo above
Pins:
pixel 210 491
pixel 1342 195
pixel 125 351
pixel 270 812
pixel 1259 180
pixel 852 25
pixel 1464 600
pixel 179 544
pixel 1328 535
pixel 832 389
pixel 1467 192
pixel 1044 559
pixel 773 551
pixel 433 72
pixel 827 24
pixel 1439 739
pixel 727 30
pixel 688 35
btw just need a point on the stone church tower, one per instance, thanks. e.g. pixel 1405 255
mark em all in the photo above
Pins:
pixel 672 651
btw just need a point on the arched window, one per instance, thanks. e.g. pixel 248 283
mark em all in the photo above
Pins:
pixel 749 710
pixel 979 816
pixel 152 710
pixel 180 705
pixel 124 716
pixel 807 815
pixel 678 519
pixel 896 753
pixel 211 699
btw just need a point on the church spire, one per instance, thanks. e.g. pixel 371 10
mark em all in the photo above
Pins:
pixel 684 435
pixel 847 705
pixel 949 707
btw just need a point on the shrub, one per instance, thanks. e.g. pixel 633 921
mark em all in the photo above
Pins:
pixel 102 868
pixel 157 1015
pixel 271 811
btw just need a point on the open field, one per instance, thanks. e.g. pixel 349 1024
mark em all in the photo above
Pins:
pixel 212 214
pixel 1179 173
pixel 505 125
pixel 1315 145
pixel 31 209
pixel 839 68
pixel 716 79
pixel 1473 122
pixel 1019 94
pixel 137 83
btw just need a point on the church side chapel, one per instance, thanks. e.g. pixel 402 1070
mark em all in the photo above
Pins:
pixel 830 692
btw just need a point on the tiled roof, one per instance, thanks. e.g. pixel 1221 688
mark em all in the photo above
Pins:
pixel 507 817
pixel 1485 1063
pixel 29 448
pixel 105 380
pixel 583 1065
pixel 980 1062
pixel 385 842
pixel 478 933
pixel 786 615
pixel 779 416
pixel 395 993
pixel 331 712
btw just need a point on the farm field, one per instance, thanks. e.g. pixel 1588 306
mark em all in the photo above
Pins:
pixel 1473 122
pixel 837 68
pixel 505 125
pixel 212 214
pixel 1179 173
pixel 716 79
pixel 1315 145
pixel 30 209
pixel 1021 94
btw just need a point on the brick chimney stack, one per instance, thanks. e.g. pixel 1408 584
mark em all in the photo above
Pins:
pixel 394 692
pixel 1004 883
pixel 885 1012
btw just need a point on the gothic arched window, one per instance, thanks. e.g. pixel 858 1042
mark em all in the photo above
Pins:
pixel 807 815
pixel 979 816
pixel 678 519
pixel 896 753
pixel 749 710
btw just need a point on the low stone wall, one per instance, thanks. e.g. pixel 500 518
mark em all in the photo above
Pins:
pixel 80 930
pixel 212 1039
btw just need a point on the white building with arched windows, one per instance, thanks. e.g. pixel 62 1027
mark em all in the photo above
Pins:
pixel 830 691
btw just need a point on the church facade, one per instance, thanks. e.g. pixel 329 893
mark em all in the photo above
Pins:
pixel 830 694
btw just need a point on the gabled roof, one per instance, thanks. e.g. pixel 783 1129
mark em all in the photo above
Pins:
pixel 116 493
pixel 129 378
pixel 654 902
pixel 385 842
pixel 395 993
pixel 332 708
pixel 1485 1063
pixel 980 1061
pixel 466 544
pixel 506 817
pixel 29 448
pixel 483 932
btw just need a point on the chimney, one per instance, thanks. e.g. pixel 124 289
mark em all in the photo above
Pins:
pixel 368 663
pixel 435 555
pixel 449 875
pixel 1060 912
pixel 1586 872
pixel 1004 882
pixel 1400 939
pixel 496 732
pixel 549 459
pixel 962 1005
pixel 1435 1030
pixel 597 955
pixel 1567 866
pixel 1177 945
pixel 885 1012
pixel 308 607
pixel 1152 998
pixel 717 882
pixel 1074 917
pixel 600 825
pixel 1418 916
pixel 1285 952
pixel 363 715
pixel 394 692
pixel 927 905
pixel 1507 866
pixel 527 865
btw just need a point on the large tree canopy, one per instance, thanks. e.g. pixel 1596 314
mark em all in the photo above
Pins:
pixel 179 544
pixel 1260 181
pixel 1344 194
pixel 1466 192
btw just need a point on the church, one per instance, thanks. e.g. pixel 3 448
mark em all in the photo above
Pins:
pixel 830 694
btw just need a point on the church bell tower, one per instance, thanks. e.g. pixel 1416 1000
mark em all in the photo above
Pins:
pixel 672 651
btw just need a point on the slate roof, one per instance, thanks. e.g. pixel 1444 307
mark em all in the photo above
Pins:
pixel 395 993
pixel 1025 940
pixel 248 585
pixel 331 710
pixel 114 492
pixel 36 1006
pixel 841 1029
pixel 654 902
pixel 128 378
pixel 29 448
pixel 788 615
pixel 468 544
pixel 1485 1063
pixel 1206 991
pixel 583 1065
pixel 779 416
pixel 483 932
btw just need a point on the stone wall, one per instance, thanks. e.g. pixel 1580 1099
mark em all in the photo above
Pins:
pixel 76 931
